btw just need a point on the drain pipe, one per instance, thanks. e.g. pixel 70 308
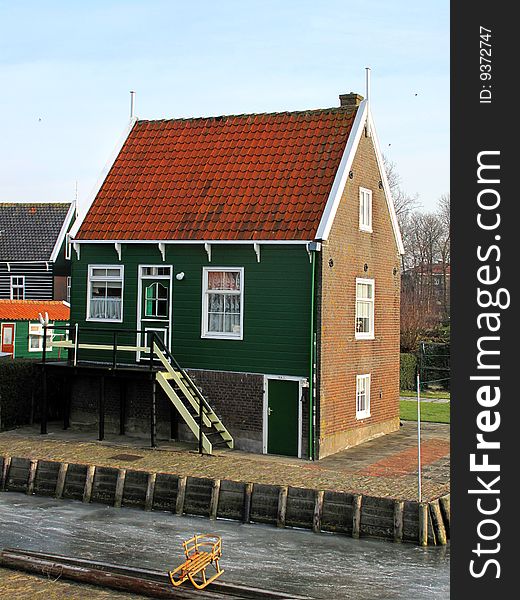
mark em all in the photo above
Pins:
pixel 312 248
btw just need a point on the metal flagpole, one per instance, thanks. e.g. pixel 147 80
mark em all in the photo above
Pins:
pixel 419 435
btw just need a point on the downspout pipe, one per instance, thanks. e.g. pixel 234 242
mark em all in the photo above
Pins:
pixel 312 248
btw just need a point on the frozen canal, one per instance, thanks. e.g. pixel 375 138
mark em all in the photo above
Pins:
pixel 299 562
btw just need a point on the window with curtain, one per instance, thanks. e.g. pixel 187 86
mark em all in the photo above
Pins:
pixel 362 396
pixel 364 308
pixel 36 337
pixel 105 289
pixel 223 291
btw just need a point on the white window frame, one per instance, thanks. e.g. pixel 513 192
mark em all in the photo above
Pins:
pixel 204 326
pixel 21 286
pixel 365 335
pixel 39 333
pixel 365 197
pixel 91 279
pixel 367 379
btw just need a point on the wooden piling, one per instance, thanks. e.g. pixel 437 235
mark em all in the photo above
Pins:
pixel 5 472
pixel 438 522
pixel 398 520
pixel 89 481
pixel 33 465
pixel 120 486
pixel 181 495
pixel 150 488
pixel 423 524
pixel 318 511
pixel 215 493
pixel 356 515
pixel 444 503
pixel 60 483
pixel 282 506
pixel 248 493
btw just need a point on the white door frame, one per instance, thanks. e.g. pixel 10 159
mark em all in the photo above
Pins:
pixel 140 320
pixel 265 432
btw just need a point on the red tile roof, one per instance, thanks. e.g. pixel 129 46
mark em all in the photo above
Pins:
pixel 246 177
pixel 28 310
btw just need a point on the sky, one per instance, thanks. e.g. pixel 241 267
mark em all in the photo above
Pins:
pixel 67 67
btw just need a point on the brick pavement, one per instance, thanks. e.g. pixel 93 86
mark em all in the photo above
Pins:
pixel 383 467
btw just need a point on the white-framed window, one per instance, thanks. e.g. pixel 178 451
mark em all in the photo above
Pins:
pixel 36 337
pixel 362 396
pixel 17 287
pixel 365 209
pixel 364 309
pixel 222 302
pixel 69 285
pixel 105 293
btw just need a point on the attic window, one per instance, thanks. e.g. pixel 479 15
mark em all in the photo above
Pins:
pixel 222 303
pixel 17 287
pixel 365 209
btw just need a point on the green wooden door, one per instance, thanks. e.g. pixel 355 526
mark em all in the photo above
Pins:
pixel 155 310
pixel 283 417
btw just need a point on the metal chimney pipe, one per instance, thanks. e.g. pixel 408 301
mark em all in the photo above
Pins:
pixel 132 102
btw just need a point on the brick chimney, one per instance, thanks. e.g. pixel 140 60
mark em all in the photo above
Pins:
pixel 350 100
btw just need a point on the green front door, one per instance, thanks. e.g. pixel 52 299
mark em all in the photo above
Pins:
pixel 283 413
pixel 155 305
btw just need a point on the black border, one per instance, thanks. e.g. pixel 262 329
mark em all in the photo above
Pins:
pixel 477 127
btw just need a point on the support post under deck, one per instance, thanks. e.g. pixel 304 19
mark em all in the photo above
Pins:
pixel 153 415
pixel 101 405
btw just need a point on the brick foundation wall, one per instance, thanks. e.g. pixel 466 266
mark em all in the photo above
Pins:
pixel 237 398
pixel 342 357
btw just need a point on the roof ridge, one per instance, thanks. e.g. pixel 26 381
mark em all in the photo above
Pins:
pixel 332 109
pixel 27 203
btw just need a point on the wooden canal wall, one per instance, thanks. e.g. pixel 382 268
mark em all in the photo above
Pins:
pixel 281 506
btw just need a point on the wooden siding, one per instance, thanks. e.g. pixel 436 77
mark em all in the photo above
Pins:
pixel 21 342
pixel 38 280
pixel 276 303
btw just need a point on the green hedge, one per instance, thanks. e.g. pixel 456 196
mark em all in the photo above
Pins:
pixel 17 389
pixel 408 371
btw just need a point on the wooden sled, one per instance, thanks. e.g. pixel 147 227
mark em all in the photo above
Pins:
pixel 201 551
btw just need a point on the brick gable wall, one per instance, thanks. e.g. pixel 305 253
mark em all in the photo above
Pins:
pixel 342 357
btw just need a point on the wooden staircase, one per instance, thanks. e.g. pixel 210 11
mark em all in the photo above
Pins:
pixel 188 400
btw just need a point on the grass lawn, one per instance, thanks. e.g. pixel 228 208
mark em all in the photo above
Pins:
pixel 426 394
pixel 430 411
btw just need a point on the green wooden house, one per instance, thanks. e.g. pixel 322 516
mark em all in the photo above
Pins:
pixel 21 329
pixel 262 252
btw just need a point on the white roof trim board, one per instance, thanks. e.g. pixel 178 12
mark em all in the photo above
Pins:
pixel 345 165
pixel 95 190
pixel 340 181
pixel 63 231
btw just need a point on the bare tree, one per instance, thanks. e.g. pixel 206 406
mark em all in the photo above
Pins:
pixel 404 204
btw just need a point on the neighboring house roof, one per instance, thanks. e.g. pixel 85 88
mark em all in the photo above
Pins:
pixel 435 269
pixel 31 231
pixel 29 310
pixel 244 177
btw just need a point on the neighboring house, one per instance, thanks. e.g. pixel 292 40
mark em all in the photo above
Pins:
pixel 21 331
pixel 428 287
pixel 264 250
pixel 33 260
